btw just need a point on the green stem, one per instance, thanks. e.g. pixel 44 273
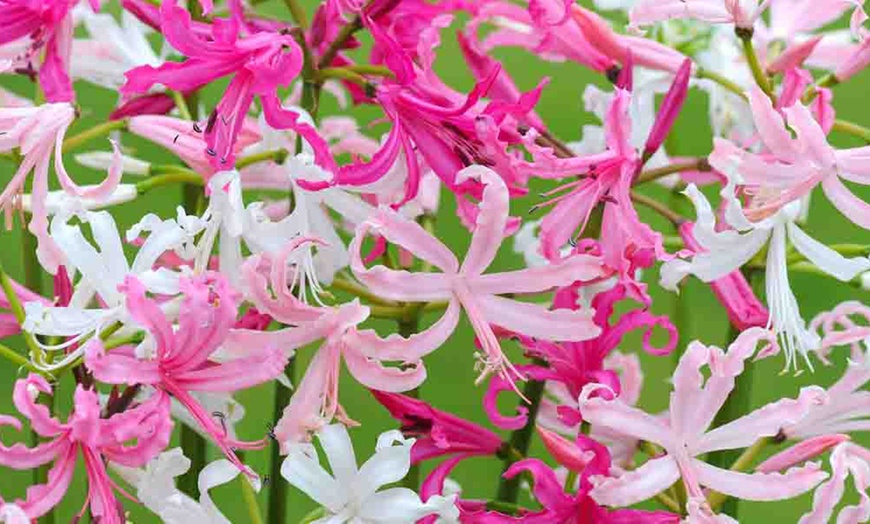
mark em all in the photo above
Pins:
pixel 506 508
pixel 358 290
pixel 273 155
pixel 570 480
pixel 181 104
pixel 17 358
pixel 370 69
pixel 181 176
pixel 297 12
pixel 853 129
pixel 721 80
pixel 250 497
pixel 403 311
pixel 97 131
pixel 675 218
pixel 277 487
pixel 698 164
pixel 341 73
pixel 754 63
pixel 521 439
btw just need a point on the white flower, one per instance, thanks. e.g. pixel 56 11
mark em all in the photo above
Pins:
pixel 726 251
pixel 101 160
pixel 63 203
pixel 350 494
pixel 102 271
pixel 155 488
pixel 112 50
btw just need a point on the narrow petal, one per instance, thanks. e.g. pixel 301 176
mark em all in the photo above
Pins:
pixel 491 220
pixel 575 268
pixel 852 207
pixel 537 321
pixel 615 416
pixel 655 476
pixel 339 452
pixel 760 486
pixel 825 258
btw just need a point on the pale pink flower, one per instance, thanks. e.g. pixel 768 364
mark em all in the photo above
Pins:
pixel 315 401
pixel 38 132
pixel 742 13
pixel 792 166
pixel 181 363
pixel 847 459
pixel 130 438
pixel 687 435
pixel 466 286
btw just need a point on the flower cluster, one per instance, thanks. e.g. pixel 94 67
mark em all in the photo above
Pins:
pixel 307 237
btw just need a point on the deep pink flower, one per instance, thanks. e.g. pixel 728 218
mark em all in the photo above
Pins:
pixel 130 438
pixel 686 435
pixel 466 287
pixel 181 363
pixel 437 432
pixel 49 26
pixel 259 63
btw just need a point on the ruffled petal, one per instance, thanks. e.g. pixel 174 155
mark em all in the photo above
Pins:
pixel 537 321
pixel 655 476
pixel 760 486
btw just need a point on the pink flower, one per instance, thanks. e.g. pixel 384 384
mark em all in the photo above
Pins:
pixel 742 13
pixel 694 403
pixel 38 132
pixel 609 176
pixel 315 401
pixel 181 363
pixel 182 138
pixel 131 438
pixel 846 459
pixel 49 26
pixel 437 433
pixel 260 63
pixel 466 286
pixel 579 508
pixel 792 167
pixel 644 51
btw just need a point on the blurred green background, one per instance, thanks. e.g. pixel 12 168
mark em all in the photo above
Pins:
pixel 451 375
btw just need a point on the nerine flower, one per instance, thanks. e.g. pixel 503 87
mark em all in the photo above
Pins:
pixel 728 250
pixel 260 63
pixel 741 13
pixel 38 132
pixel 181 362
pixel 315 402
pixel 466 286
pixel 351 493
pixel 48 26
pixel 687 434
pixel 155 487
pixel 792 167
pixel 103 267
pixel 847 459
pixel 130 438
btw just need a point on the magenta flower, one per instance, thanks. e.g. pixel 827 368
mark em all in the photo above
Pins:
pixel 260 63
pixel 466 286
pixel 38 132
pixel 130 438
pixel 49 26
pixel 438 433
pixel 793 166
pixel 181 361
pixel 579 508
pixel 694 403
